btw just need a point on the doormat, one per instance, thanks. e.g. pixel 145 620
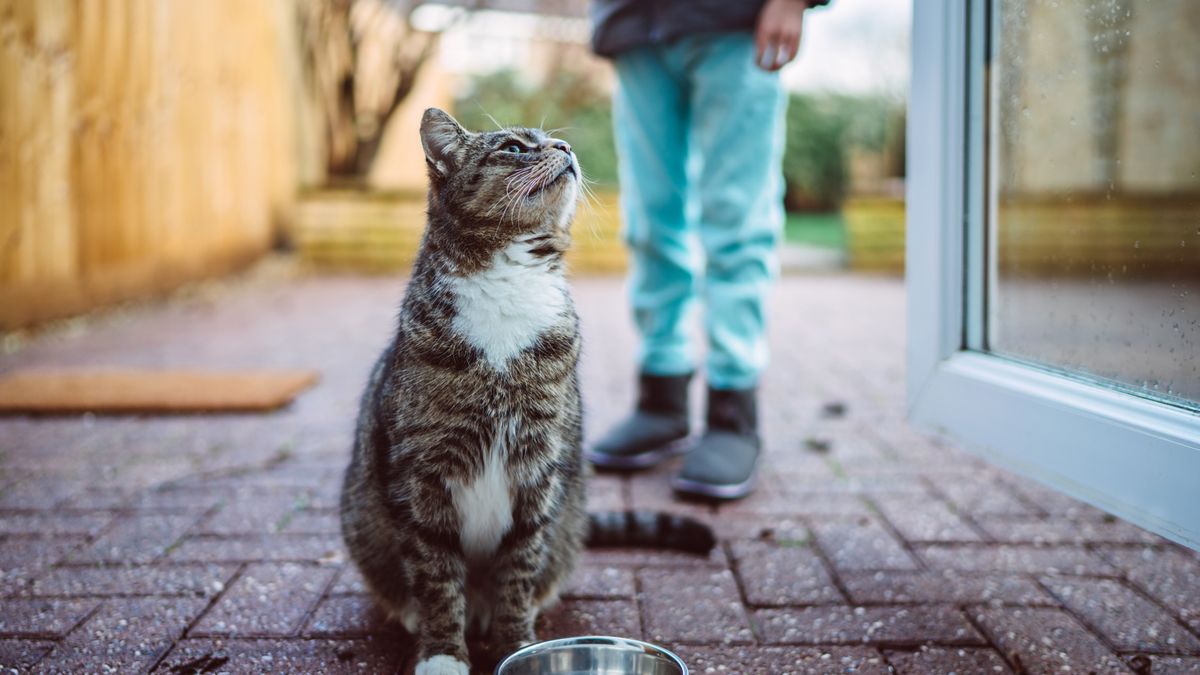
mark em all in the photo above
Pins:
pixel 148 391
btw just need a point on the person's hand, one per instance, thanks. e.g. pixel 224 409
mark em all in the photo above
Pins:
pixel 777 38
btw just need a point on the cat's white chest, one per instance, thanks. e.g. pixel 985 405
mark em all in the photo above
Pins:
pixel 504 309
pixel 485 504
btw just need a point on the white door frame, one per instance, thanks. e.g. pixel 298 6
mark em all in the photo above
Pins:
pixel 1132 456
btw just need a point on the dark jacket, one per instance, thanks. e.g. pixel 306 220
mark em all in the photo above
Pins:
pixel 619 25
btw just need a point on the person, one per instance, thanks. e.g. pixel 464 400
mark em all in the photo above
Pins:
pixel 698 117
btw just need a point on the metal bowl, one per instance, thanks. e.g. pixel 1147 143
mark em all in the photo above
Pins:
pixel 592 655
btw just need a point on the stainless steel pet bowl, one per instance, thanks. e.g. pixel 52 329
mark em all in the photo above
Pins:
pixel 592 655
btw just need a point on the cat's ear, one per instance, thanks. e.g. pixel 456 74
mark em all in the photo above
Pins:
pixel 441 137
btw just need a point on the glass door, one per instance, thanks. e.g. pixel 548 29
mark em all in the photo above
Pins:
pixel 1054 244
pixel 1094 210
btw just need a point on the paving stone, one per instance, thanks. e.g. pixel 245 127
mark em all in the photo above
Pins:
pixel 201 580
pixel 1015 558
pixel 876 625
pixel 600 583
pixel 606 493
pixel 20 655
pixel 1046 641
pixel 846 441
pixel 924 519
pixel 124 636
pixel 136 539
pixel 266 600
pixel 170 499
pixel 1168 575
pixel 1056 531
pixel 1126 619
pixel 97 499
pixel 896 469
pixel 38 494
pixel 54 524
pixel 347 616
pixel 947 661
pixel 796 467
pixel 703 660
pixel 251 516
pixel 779 529
pixel 23 560
pixel 980 497
pixel 372 655
pixel 22 617
pixel 590 617
pixel 639 557
pixel 61 478
pixel 901 440
pixel 692 606
pixel 1055 503
pixel 312 521
pixel 249 548
pixel 947 586
pixel 783 575
pixel 821 503
pixel 900 486
pixel 349 581
pixel 784 495
pixel 861 544
pixel 653 492
pixel 1164 665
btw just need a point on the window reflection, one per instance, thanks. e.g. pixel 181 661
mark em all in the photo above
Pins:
pixel 1095 199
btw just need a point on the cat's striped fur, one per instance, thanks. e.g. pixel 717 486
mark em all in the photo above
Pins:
pixel 463 505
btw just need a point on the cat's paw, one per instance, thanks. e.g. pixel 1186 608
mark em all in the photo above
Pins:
pixel 442 665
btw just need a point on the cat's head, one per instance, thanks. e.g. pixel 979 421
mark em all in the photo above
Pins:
pixel 510 181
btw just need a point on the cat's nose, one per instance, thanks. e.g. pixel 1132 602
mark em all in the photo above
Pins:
pixel 561 145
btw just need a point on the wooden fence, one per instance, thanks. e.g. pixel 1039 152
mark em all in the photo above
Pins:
pixel 142 143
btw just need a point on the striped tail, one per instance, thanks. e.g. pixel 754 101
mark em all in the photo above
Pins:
pixel 649 529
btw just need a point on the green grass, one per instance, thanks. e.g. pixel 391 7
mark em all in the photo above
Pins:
pixel 825 230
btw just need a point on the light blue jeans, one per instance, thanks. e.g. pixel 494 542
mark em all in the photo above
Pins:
pixel 699 131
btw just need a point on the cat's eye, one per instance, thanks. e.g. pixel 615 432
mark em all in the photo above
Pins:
pixel 514 147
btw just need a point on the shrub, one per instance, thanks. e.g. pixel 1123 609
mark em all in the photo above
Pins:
pixel 821 130
pixel 569 103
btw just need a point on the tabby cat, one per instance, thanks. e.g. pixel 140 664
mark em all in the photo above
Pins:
pixel 463 505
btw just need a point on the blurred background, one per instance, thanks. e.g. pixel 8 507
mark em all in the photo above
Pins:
pixel 147 144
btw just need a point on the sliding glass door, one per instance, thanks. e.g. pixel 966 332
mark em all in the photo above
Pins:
pixel 1054 244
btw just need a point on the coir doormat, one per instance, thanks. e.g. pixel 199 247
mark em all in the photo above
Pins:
pixel 143 391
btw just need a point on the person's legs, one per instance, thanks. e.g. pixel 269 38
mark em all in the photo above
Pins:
pixel 650 115
pixel 737 130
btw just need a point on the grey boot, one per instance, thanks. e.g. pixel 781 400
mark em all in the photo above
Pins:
pixel 722 464
pixel 657 429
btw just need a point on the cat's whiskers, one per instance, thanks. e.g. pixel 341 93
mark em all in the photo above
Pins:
pixel 521 192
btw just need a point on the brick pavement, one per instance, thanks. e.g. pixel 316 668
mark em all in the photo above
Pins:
pixel 210 543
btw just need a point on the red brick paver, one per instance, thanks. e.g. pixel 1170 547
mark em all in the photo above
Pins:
pixel 210 543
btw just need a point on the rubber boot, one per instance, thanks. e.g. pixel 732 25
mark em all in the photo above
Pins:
pixel 657 429
pixel 722 464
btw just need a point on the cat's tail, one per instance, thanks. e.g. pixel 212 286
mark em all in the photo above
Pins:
pixel 649 529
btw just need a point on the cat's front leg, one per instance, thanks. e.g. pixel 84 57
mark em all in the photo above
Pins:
pixel 516 577
pixel 438 589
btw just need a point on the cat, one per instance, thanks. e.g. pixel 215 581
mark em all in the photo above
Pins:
pixel 463 505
